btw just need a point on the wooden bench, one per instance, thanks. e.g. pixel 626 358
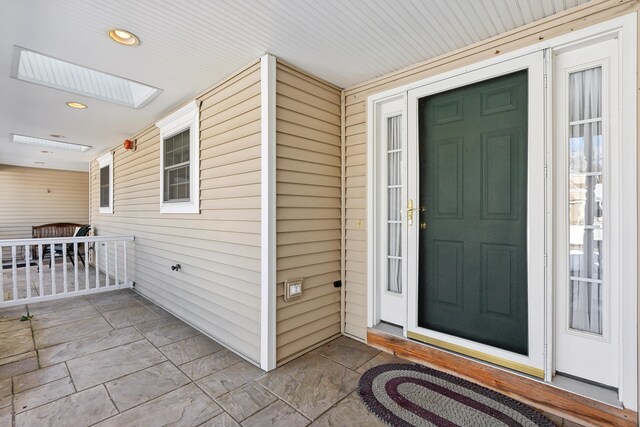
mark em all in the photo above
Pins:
pixel 56 229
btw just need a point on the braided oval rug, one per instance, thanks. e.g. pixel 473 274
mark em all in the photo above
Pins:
pixel 414 395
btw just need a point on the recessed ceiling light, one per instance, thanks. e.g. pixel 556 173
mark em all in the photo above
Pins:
pixel 124 37
pixel 55 135
pixel 76 105
pixel 45 151
pixel 34 67
pixel 39 163
pixel 50 143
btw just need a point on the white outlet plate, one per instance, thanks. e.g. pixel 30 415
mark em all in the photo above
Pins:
pixel 292 289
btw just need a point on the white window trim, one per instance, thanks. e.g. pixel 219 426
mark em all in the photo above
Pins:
pixel 106 160
pixel 187 117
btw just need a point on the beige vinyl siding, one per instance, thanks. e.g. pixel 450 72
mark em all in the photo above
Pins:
pixel 35 196
pixel 218 287
pixel 308 162
pixel 356 137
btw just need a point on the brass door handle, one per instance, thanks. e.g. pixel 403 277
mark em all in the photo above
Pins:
pixel 410 210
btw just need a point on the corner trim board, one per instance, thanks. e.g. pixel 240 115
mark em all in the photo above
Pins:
pixel 268 212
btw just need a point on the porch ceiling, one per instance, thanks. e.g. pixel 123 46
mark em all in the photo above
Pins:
pixel 187 46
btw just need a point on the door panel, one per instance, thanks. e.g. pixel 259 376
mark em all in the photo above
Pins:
pixel 472 274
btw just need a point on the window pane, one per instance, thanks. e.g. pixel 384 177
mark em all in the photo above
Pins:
pixel 104 187
pixel 176 149
pixel 586 225
pixel 585 90
pixel 394 204
pixel 585 253
pixel 394 278
pixel 585 148
pixel 585 200
pixel 585 301
pixel 177 184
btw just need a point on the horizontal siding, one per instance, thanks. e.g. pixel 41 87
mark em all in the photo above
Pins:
pixel 35 196
pixel 356 138
pixel 308 210
pixel 218 287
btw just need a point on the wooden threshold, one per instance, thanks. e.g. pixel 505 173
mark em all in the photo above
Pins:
pixel 535 393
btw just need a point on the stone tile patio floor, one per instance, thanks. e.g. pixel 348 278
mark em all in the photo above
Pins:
pixel 116 359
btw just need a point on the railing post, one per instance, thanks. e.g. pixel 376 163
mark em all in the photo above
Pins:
pixel 86 265
pixel 75 266
pixel 14 272
pixel 125 260
pixel 52 270
pixel 106 264
pixel 65 285
pixel 40 270
pixel 27 262
pixel 115 260
pixel 96 247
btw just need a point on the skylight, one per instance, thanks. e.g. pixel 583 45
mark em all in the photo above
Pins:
pixel 22 139
pixel 35 67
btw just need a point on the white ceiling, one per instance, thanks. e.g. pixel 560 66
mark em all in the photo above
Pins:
pixel 188 45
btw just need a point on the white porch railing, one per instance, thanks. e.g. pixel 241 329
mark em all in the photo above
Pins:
pixel 38 269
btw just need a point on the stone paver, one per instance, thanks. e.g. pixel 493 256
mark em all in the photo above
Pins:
pixel 246 401
pixel 186 406
pixel 311 383
pixel 190 349
pixel 43 394
pixel 70 332
pixel 278 414
pixel 229 378
pixel 106 365
pixel 206 365
pixel 41 376
pixel 142 386
pixel 81 409
pixel 92 344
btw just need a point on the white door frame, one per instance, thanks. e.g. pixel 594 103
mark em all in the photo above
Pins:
pixel 534 362
pixel 624 27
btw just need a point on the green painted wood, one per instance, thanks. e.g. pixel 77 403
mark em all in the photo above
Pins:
pixel 473 184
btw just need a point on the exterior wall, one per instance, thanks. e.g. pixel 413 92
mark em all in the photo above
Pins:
pixel 25 199
pixel 355 157
pixel 308 219
pixel 218 287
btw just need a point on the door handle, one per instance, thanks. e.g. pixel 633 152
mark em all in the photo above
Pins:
pixel 410 210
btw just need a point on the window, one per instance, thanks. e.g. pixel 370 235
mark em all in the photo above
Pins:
pixel 105 163
pixel 180 160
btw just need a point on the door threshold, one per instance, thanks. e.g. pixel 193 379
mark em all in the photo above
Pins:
pixel 570 404
pixel 587 389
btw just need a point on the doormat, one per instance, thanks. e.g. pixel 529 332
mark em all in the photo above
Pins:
pixel 414 395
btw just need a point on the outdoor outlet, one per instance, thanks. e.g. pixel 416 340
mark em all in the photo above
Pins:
pixel 292 289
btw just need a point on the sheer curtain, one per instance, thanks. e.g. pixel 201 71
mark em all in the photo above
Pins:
pixel 585 200
pixel 394 192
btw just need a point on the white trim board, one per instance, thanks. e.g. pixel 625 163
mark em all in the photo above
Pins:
pixel 268 213
pixel 106 160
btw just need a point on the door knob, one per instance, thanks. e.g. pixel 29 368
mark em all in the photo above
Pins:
pixel 410 210
pixel 423 226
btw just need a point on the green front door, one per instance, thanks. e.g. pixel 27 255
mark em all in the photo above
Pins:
pixel 473 230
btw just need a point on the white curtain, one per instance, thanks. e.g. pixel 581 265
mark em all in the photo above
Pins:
pixel 585 167
pixel 394 189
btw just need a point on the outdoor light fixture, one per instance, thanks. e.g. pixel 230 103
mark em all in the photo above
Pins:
pixel 76 105
pixel 124 37
pixel 49 143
